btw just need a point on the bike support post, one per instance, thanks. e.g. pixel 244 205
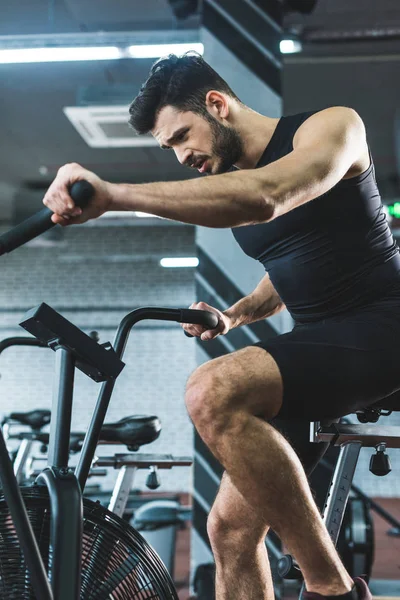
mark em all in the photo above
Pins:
pixel 64 491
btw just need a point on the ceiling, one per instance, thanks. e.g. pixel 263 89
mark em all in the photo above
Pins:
pixel 64 16
pixel 36 137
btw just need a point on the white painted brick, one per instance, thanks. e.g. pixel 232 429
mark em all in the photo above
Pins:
pixel 158 360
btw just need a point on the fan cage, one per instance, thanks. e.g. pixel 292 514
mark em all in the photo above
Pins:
pixel 117 562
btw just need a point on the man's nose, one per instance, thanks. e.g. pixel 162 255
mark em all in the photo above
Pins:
pixel 183 157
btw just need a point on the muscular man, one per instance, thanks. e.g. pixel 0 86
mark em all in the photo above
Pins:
pixel 303 200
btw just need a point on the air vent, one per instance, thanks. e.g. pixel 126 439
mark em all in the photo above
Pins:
pixel 106 127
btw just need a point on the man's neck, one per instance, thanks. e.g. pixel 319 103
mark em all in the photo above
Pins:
pixel 256 131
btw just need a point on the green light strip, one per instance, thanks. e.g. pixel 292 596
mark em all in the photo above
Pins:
pixel 394 210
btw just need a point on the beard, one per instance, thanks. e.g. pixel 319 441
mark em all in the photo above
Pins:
pixel 227 145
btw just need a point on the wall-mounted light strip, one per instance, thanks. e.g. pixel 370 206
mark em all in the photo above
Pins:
pixel 65 54
pixel 179 262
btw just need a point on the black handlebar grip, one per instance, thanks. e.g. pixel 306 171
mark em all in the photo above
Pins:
pixel 199 317
pixel 81 192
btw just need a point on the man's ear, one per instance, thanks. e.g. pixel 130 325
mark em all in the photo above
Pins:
pixel 217 104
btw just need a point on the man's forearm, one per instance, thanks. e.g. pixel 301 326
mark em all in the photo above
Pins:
pixel 251 309
pixel 226 200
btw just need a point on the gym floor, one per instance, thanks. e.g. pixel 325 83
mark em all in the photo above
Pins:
pixel 386 564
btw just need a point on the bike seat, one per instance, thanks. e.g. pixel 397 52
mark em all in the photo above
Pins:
pixel 36 419
pixel 133 432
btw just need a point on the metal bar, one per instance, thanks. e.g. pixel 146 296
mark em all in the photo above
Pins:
pixel 371 503
pixel 26 537
pixel 92 472
pixel 21 341
pixel 121 490
pixel 21 458
pixel 369 435
pixel 60 424
pixel 314 430
pixel 143 461
pixel 93 434
pixel 339 489
pixel 66 533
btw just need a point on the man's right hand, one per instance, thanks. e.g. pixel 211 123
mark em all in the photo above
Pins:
pixel 58 200
pixel 224 323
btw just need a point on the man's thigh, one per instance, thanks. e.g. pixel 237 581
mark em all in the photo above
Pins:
pixel 254 381
pixel 249 378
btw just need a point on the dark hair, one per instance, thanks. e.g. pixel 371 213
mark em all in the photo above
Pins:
pixel 179 81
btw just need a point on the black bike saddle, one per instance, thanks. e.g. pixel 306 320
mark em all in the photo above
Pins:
pixel 36 419
pixel 133 432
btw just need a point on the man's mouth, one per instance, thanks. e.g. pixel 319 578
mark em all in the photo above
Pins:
pixel 200 164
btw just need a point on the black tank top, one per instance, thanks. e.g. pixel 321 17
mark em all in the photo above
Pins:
pixel 330 255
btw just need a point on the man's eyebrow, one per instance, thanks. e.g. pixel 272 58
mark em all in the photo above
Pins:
pixel 174 136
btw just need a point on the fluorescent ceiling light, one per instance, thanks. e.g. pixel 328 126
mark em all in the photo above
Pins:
pixel 179 262
pixel 64 54
pixel 290 46
pixel 35 55
pixel 157 50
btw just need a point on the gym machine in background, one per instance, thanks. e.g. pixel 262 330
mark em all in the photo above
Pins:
pixel 62 545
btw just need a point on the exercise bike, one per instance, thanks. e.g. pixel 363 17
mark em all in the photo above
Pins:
pixel 55 544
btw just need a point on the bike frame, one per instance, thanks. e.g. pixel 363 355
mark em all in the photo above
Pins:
pixel 64 487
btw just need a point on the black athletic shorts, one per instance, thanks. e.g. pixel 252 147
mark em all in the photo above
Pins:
pixel 335 366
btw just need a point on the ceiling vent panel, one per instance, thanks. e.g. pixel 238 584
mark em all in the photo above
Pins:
pixel 106 127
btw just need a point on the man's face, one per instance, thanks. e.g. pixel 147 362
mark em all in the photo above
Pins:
pixel 198 142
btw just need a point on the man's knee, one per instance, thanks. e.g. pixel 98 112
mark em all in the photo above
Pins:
pixel 210 401
pixel 225 390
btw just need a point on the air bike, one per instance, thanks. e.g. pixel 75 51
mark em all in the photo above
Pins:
pixel 55 544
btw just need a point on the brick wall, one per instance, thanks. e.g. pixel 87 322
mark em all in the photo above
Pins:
pixel 94 278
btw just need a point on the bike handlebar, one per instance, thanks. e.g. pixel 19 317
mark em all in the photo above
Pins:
pixel 81 192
